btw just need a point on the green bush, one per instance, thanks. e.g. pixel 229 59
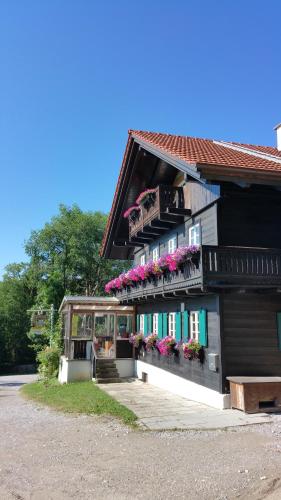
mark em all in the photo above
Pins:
pixel 48 360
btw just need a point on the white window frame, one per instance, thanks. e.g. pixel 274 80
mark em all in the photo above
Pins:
pixel 172 324
pixel 195 234
pixel 142 259
pixel 155 254
pixel 155 323
pixel 172 244
pixel 141 323
pixel 194 325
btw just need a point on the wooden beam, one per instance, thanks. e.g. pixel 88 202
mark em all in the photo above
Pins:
pixel 153 230
pixel 180 211
pixel 161 225
pixel 128 244
pixel 173 219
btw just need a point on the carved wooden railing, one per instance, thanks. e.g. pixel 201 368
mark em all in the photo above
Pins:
pixel 188 275
pixel 165 200
pixel 230 266
pixel 216 267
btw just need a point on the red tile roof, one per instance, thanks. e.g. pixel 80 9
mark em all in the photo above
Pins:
pixel 208 152
pixel 201 152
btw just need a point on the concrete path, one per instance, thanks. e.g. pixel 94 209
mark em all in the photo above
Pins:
pixel 158 409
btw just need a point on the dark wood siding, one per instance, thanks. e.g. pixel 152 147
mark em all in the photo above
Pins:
pixel 250 217
pixel 208 222
pixel 249 334
pixel 191 370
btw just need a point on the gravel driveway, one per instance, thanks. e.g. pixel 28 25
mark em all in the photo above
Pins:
pixel 49 455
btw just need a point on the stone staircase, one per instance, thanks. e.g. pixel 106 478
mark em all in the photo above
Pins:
pixel 106 371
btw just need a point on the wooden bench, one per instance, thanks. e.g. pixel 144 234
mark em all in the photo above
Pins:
pixel 255 394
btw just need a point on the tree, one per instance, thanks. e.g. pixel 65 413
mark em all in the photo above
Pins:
pixel 64 255
pixel 16 297
pixel 64 259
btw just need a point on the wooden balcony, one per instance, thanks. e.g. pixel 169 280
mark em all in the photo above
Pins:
pixel 215 268
pixel 160 213
pixel 241 266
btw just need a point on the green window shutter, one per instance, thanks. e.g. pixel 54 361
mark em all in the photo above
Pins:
pixel 279 329
pixel 145 324
pixel 185 315
pixel 203 337
pixel 150 324
pixel 138 322
pixel 165 324
pixel 160 325
pixel 178 326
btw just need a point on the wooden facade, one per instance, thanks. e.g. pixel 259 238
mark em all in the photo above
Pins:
pixel 236 277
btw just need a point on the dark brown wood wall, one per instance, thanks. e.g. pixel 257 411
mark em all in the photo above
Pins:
pixel 208 221
pixel 250 218
pixel 249 334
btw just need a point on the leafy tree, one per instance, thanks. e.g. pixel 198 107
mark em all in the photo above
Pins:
pixel 64 259
pixel 16 297
pixel 65 255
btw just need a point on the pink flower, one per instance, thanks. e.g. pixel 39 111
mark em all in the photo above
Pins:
pixel 130 210
pixel 170 261
pixel 144 194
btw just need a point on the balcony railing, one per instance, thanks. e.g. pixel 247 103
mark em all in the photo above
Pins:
pixel 240 266
pixel 189 275
pixel 164 209
pixel 216 267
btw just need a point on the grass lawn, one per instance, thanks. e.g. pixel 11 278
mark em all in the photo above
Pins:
pixel 78 397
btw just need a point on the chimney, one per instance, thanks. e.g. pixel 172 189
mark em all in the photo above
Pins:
pixel 278 136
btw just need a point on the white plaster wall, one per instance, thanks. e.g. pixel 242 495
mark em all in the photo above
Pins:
pixel 74 370
pixel 125 367
pixel 182 387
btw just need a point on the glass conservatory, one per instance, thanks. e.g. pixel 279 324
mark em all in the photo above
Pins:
pixel 94 328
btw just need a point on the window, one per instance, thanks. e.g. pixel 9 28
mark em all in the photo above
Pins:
pixel 81 325
pixel 141 322
pixel 172 244
pixel 155 323
pixel 155 254
pixel 172 324
pixel 142 259
pixel 194 235
pixel 124 326
pixel 194 325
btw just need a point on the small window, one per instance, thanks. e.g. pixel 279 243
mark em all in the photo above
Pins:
pixel 142 259
pixel 172 244
pixel 155 323
pixel 172 324
pixel 141 323
pixel 194 235
pixel 194 325
pixel 155 254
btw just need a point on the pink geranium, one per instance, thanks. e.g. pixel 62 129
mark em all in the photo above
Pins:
pixel 140 273
pixel 144 194
pixel 130 210
pixel 166 345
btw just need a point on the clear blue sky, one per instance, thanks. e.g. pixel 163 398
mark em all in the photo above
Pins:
pixel 76 75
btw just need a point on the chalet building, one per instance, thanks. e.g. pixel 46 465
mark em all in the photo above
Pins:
pixel 221 201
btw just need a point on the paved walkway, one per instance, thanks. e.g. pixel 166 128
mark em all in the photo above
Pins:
pixel 158 409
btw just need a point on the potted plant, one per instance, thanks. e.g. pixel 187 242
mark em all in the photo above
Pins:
pixel 132 213
pixel 150 341
pixel 192 350
pixel 146 198
pixel 167 346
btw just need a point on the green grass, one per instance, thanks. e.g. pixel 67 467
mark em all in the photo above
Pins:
pixel 78 397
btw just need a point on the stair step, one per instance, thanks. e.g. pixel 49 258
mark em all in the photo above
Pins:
pixel 108 380
pixel 107 374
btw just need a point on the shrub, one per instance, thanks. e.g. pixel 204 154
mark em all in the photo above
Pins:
pixel 48 360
